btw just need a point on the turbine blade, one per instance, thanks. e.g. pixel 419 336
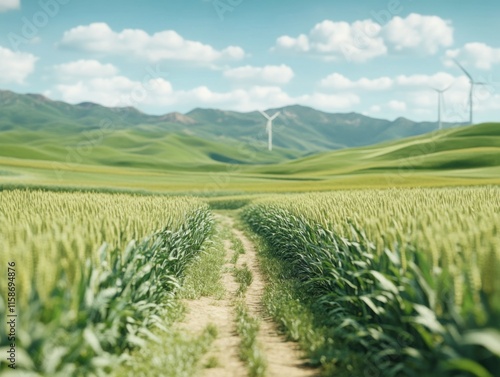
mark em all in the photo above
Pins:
pixel 463 69
pixel 447 88
pixel 275 115
pixel 264 114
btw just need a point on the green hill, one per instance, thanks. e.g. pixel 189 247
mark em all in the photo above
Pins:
pixel 50 143
pixel 298 128
pixel 465 149
pixel 131 159
pixel 136 147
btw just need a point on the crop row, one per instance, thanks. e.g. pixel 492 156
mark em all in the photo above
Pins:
pixel 405 280
pixel 94 273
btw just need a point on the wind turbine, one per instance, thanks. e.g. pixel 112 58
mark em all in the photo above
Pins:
pixel 269 127
pixel 471 92
pixel 441 103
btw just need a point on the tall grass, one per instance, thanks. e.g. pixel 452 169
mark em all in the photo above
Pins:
pixel 94 271
pixel 405 279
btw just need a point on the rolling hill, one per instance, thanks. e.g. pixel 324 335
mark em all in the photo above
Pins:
pixel 173 162
pixel 51 143
pixel 300 129
pixel 135 147
pixel 472 150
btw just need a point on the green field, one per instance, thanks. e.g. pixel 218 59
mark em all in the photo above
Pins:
pixel 363 280
pixel 389 268
pixel 158 162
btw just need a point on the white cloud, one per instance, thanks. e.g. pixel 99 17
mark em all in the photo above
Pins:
pixel 164 45
pixel 423 34
pixel 15 66
pixel 85 69
pixel 337 81
pixel 397 105
pixel 273 74
pixel 119 91
pixel 301 43
pixel 364 40
pixel 329 102
pixel 439 80
pixel 359 41
pixel 478 55
pixel 6 5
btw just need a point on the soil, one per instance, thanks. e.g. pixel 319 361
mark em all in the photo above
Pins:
pixel 283 357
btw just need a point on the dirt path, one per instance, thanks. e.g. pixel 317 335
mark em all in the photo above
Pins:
pixel 283 358
pixel 207 310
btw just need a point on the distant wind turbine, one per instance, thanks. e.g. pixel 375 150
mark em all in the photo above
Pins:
pixel 269 127
pixel 471 92
pixel 441 103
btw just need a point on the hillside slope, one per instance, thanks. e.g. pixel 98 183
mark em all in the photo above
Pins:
pixel 298 128
pixel 141 147
pixel 463 156
pixel 465 149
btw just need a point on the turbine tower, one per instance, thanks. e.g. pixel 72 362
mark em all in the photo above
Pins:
pixel 471 92
pixel 269 127
pixel 441 103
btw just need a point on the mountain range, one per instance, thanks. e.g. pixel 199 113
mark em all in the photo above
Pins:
pixel 298 131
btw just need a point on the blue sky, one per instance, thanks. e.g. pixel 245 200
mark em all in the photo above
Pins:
pixel 380 58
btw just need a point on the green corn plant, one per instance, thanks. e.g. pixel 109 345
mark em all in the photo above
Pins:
pixel 88 294
pixel 399 275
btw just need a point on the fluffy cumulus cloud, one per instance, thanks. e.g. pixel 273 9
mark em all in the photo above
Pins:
pixel 116 91
pixel 339 82
pixel 358 41
pixel 85 69
pixel 336 81
pixel 329 102
pixel 264 97
pixel 478 55
pixel 438 80
pixel 157 93
pixel 164 45
pixel 91 80
pixel 415 97
pixel 423 34
pixel 272 74
pixel 6 5
pixel 364 40
pixel 15 66
pixel 397 105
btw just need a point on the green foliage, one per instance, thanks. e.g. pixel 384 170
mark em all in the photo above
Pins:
pixel 243 277
pixel 250 351
pixel 203 275
pixel 80 305
pixel 171 353
pixel 401 301
pixel 228 203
